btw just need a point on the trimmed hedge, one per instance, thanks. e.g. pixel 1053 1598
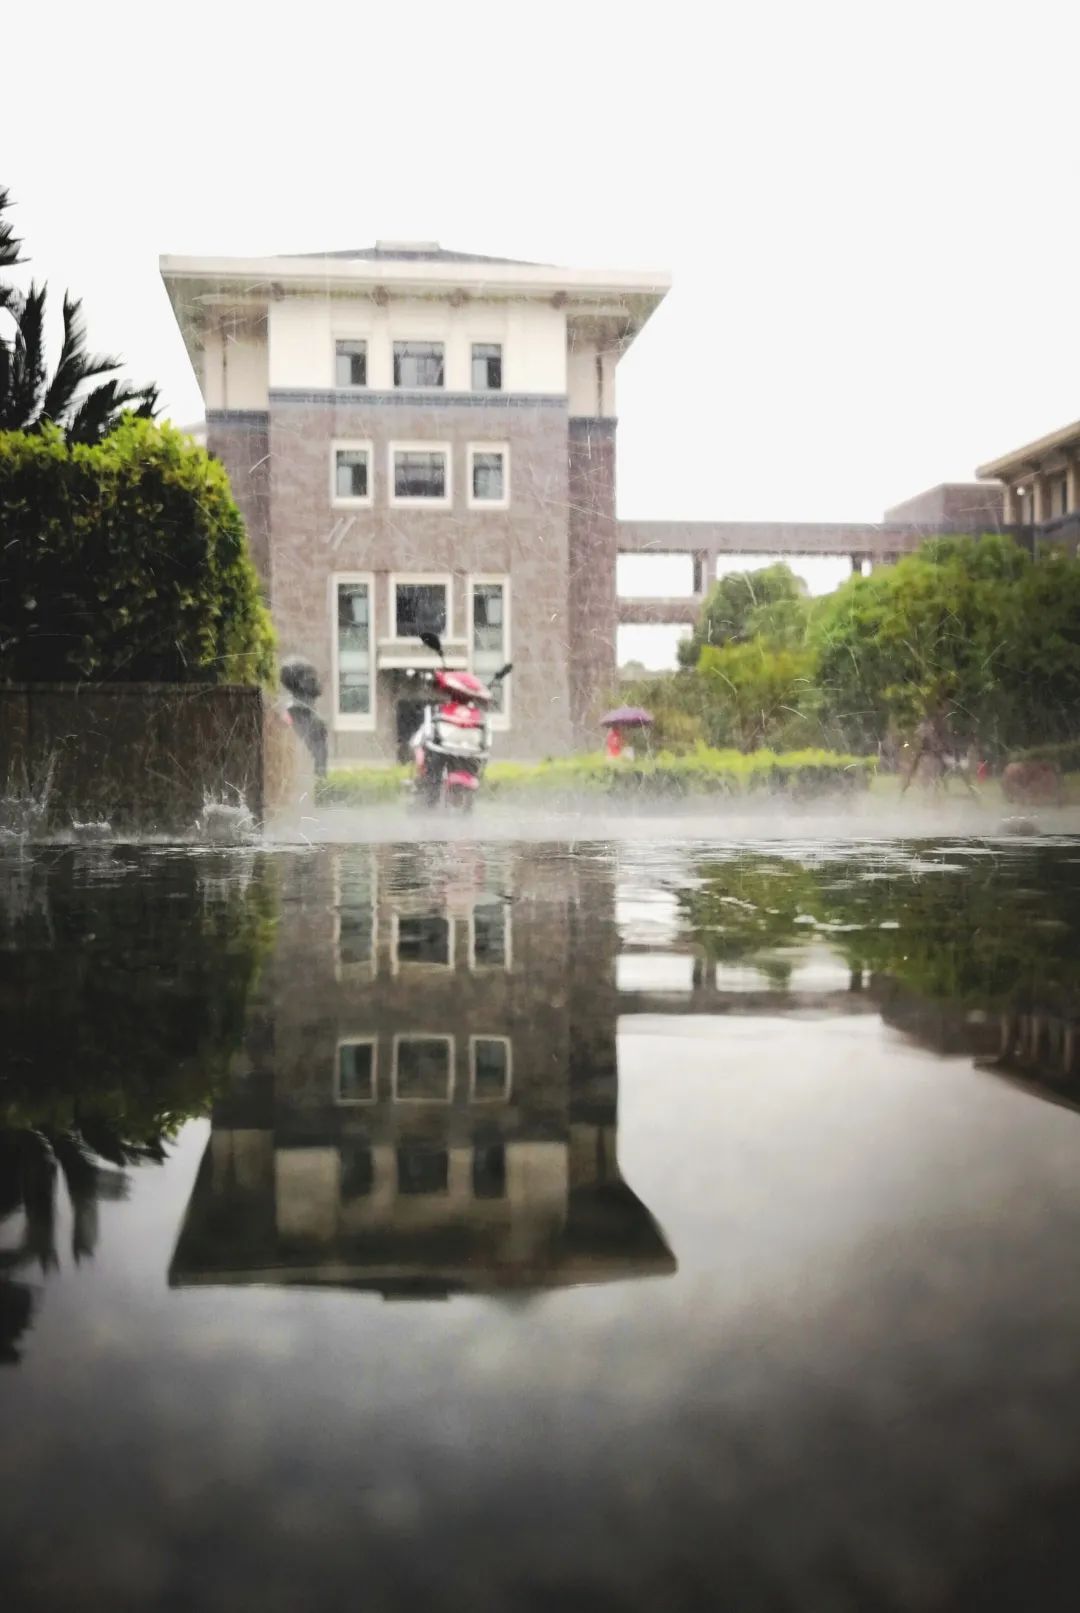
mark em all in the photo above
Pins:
pixel 704 772
pixel 125 561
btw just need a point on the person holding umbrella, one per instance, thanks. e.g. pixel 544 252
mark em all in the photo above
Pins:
pixel 615 721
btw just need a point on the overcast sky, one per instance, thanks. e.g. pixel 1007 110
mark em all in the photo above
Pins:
pixel 870 210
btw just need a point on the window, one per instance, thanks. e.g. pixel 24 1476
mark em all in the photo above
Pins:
pixel 490 935
pixel 490 636
pixel 355 1072
pixel 1062 499
pixel 355 913
pixel 350 363
pixel 351 470
pixel 418 364
pixel 357 1170
pixel 489 481
pixel 423 1069
pixel 424 938
pixel 487 367
pixel 421 474
pixel 423 1170
pixel 421 607
pixel 489 1171
pixel 352 653
pixel 489 1073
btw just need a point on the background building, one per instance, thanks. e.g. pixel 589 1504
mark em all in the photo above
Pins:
pixel 424 439
pixel 1042 484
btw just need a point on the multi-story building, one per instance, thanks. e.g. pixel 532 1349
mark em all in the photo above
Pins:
pixel 423 439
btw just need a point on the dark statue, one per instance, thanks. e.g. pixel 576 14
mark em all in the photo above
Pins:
pixel 301 681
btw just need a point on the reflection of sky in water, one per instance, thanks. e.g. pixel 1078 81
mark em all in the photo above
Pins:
pixel 653 971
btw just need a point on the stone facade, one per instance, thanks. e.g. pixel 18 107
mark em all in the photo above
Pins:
pixel 315 540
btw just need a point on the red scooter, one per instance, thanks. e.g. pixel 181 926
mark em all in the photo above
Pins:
pixel 452 745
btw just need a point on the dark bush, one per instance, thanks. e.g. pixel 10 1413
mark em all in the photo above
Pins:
pixel 125 561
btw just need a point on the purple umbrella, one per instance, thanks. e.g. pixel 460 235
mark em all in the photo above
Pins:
pixel 626 717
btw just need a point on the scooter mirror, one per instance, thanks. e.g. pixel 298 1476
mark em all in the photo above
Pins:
pixel 503 672
pixel 432 641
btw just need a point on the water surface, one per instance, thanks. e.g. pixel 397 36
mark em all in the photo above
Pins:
pixel 474 1225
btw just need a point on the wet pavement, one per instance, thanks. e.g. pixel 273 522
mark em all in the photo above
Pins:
pixel 627 1222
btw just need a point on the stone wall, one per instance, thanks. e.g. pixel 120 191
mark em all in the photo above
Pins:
pixel 145 756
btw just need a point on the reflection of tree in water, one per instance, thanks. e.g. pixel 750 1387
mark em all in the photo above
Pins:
pixel 32 1163
pixel 995 932
pixel 753 911
pixel 124 989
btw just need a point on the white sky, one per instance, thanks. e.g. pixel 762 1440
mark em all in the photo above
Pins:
pixel 870 209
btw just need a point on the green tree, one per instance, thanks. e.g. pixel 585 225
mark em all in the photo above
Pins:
pixel 675 701
pixel 126 560
pixel 752 690
pixel 970 627
pixel 31 398
pixel 745 603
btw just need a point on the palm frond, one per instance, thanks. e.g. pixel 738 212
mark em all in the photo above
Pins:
pixel 10 243
pixel 23 373
pixel 75 365
pixel 100 410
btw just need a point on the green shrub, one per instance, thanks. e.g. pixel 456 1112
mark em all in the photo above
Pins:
pixel 125 561
pixel 362 786
pixel 703 772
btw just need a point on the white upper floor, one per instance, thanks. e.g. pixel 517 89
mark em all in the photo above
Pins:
pixel 252 326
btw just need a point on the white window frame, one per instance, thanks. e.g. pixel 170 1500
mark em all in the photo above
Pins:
pixel 408 502
pixel 488 341
pixel 353 336
pixel 475 503
pixel 397 340
pixel 348 445
pixel 357 1041
pixel 352 721
pixel 500 720
pixel 408 577
pixel 508 950
pixel 396 965
pixel 508 1043
pixel 426 1036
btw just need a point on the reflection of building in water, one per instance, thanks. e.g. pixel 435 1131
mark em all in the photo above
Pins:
pixel 1036 1046
pixel 431 1099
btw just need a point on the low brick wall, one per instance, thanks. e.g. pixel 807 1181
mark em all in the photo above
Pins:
pixel 146 756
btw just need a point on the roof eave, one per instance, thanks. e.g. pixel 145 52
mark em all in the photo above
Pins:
pixel 534 279
pixel 1023 460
